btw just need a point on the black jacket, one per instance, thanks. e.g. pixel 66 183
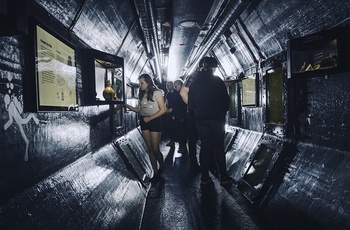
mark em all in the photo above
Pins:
pixel 208 97
pixel 179 107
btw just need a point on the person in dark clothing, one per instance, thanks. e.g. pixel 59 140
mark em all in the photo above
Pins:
pixel 191 126
pixel 179 115
pixel 209 100
pixel 169 101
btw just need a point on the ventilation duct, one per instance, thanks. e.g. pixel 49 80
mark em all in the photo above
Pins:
pixel 231 13
pixel 148 23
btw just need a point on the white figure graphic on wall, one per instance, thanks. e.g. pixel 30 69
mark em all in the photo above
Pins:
pixel 15 109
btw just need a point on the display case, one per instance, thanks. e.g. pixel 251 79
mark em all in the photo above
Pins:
pixel 320 53
pixel 103 78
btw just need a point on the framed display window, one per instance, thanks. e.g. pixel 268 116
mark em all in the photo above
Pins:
pixel 275 95
pixel 52 61
pixel 103 78
pixel 249 91
pixel 320 53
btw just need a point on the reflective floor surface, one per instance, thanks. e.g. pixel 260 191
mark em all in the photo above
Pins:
pixel 178 201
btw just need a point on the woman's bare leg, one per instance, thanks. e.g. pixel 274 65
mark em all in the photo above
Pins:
pixel 155 140
pixel 147 137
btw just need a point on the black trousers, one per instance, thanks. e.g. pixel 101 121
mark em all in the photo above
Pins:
pixel 180 131
pixel 192 139
pixel 169 126
pixel 212 136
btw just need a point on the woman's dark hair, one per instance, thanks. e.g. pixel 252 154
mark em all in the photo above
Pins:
pixel 151 87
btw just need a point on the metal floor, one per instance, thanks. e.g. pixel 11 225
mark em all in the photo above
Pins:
pixel 178 202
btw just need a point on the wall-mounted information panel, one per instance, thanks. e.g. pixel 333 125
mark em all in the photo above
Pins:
pixel 52 62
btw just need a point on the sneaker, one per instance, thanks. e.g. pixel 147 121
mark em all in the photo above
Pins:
pixel 226 180
pixel 206 180
pixel 171 143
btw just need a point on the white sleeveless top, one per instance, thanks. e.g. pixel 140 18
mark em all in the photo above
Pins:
pixel 148 108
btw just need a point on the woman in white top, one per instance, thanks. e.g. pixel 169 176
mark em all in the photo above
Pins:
pixel 151 107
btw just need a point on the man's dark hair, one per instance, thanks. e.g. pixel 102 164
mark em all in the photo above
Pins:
pixel 200 64
pixel 209 62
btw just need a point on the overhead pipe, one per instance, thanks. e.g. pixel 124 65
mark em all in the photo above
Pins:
pixel 231 13
pixel 154 31
pixel 145 10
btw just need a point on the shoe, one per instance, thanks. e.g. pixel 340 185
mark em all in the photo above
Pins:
pixel 226 180
pixel 171 143
pixel 206 180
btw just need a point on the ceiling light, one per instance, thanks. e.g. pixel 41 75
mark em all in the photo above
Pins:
pixel 188 23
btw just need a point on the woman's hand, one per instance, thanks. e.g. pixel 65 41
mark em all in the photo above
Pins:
pixel 146 119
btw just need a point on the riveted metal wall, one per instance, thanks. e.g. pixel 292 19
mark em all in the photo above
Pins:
pixel 35 145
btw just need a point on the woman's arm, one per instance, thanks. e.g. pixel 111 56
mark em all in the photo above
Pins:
pixel 160 112
pixel 132 108
pixel 184 93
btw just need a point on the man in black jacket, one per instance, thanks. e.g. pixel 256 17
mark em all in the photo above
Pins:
pixel 209 100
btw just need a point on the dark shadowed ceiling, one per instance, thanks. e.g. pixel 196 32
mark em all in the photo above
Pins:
pixel 166 38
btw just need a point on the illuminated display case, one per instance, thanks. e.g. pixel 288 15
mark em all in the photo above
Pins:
pixel 320 53
pixel 102 77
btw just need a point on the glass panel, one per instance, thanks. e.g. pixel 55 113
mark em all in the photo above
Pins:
pixel 275 93
pixel 233 101
pixel 248 92
pixel 258 167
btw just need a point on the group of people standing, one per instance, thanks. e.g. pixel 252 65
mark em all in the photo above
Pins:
pixel 176 115
pixel 196 109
